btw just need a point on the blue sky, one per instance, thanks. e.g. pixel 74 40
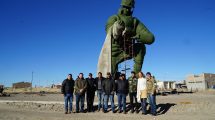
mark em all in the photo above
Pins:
pixel 57 37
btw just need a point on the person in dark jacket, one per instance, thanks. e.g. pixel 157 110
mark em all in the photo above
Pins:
pixel 108 88
pixel 67 90
pixel 99 80
pixel 122 92
pixel 80 89
pixel 91 88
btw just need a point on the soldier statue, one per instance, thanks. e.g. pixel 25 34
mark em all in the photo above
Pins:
pixel 126 39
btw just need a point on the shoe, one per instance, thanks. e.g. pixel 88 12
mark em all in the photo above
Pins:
pixel 113 112
pixel 124 112
pixel 154 114
pixel 77 112
pixel 132 111
pixel 104 111
pixel 143 113
pixel 69 112
pixel 81 111
pixel 119 111
pixel 66 112
pixel 136 111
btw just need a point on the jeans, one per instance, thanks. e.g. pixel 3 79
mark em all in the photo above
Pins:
pixel 90 100
pixel 121 101
pixel 152 103
pixel 100 96
pixel 143 104
pixel 68 98
pixel 80 97
pixel 133 96
pixel 106 99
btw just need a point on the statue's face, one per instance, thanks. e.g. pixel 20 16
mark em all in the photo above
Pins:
pixel 126 11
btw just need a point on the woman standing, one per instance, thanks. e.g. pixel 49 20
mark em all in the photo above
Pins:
pixel 142 91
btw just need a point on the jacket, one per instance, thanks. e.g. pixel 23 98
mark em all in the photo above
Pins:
pixel 122 86
pixel 150 86
pixel 97 80
pixel 108 86
pixel 67 86
pixel 80 84
pixel 132 84
pixel 141 88
pixel 91 85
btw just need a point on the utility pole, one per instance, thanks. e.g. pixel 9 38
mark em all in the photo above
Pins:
pixel 32 80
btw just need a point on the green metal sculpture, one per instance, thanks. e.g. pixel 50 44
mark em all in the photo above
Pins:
pixel 126 39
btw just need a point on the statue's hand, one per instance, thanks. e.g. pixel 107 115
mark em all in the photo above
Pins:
pixel 125 32
pixel 118 28
pixel 136 37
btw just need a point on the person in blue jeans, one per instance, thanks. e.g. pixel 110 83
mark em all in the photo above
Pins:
pixel 151 93
pixel 122 92
pixel 67 90
pixel 108 89
pixel 80 97
pixel 80 89
pixel 133 92
pixel 99 80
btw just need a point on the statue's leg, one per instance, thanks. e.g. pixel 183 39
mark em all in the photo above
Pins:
pixel 117 57
pixel 139 53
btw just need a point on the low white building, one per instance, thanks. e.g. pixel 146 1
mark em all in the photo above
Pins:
pixel 166 85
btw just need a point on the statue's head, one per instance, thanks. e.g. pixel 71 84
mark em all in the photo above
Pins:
pixel 127 7
pixel 128 3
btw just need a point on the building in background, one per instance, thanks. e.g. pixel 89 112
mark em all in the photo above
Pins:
pixel 166 85
pixel 22 85
pixel 200 82
pixel 56 86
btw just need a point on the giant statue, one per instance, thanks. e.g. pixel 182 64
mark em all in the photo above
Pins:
pixel 126 37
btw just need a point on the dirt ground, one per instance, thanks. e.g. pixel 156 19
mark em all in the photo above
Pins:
pixel 195 106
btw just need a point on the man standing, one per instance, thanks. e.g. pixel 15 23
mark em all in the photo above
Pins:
pixel 122 91
pixel 80 89
pixel 91 87
pixel 151 93
pixel 109 88
pixel 133 91
pixel 99 80
pixel 67 90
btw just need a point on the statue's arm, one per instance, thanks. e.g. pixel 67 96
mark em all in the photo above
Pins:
pixel 143 34
pixel 110 22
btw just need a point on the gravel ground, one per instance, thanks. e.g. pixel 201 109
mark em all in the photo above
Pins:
pixel 198 106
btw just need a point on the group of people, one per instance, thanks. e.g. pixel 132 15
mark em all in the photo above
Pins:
pixel 140 88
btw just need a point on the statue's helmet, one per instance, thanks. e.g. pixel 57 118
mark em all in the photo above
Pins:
pixel 128 3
